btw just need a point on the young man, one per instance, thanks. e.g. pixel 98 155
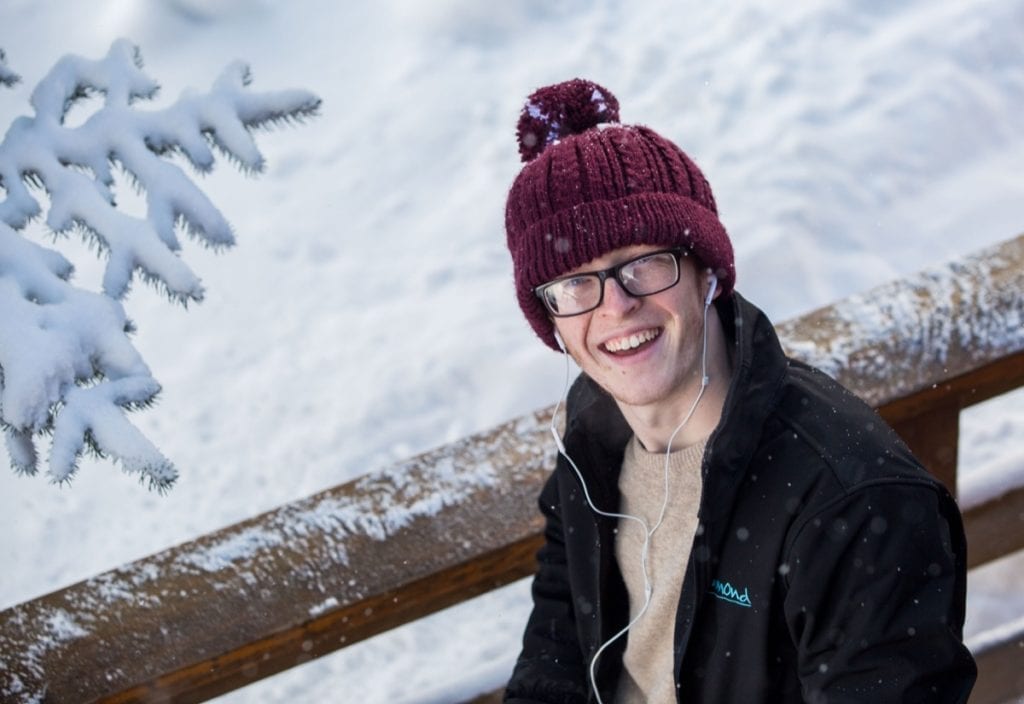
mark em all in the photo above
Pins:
pixel 724 524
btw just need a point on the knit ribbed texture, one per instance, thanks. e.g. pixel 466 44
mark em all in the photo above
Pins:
pixel 648 665
pixel 604 188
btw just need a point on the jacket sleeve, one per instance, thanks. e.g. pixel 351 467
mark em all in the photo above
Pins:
pixel 877 585
pixel 550 667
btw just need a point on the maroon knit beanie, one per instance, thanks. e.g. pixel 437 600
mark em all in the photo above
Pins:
pixel 591 186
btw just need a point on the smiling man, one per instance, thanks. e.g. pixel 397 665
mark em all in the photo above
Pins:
pixel 642 341
pixel 724 524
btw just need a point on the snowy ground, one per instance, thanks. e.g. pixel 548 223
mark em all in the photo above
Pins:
pixel 367 311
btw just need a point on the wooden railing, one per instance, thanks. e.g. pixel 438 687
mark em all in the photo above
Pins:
pixel 319 574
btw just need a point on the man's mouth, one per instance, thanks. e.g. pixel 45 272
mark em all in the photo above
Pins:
pixel 630 343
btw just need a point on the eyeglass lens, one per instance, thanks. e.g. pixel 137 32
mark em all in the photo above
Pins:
pixel 638 277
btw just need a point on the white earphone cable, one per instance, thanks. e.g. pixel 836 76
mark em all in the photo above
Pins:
pixel 648 532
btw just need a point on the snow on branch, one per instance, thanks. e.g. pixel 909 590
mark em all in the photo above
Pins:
pixel 7 76
pixel 67 366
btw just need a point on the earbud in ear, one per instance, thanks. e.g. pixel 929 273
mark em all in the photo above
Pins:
pixel 712 287
pixel 558 339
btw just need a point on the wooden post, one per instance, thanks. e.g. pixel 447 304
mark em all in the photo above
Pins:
pixel 933 436
pixel 995 528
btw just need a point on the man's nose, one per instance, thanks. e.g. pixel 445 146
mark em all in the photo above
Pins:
pixel 616 300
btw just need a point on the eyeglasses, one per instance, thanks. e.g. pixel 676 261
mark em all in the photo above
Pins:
pixel 645 275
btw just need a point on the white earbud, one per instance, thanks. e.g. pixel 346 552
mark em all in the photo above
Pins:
pixel 558 339
pixel 712 287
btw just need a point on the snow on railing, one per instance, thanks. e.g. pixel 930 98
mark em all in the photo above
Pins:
pixel 992 482
pixel 908 335
pixel 352 557
pixel 999 650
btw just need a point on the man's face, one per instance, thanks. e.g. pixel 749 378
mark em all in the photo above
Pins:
pixel 666 364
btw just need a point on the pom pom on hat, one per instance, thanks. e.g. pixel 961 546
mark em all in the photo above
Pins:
pixel 554 112
pixel 585 192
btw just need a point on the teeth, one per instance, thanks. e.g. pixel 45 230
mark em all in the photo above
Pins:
pixel 631 342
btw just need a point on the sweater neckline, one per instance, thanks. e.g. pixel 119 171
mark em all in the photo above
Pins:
pixel 681 460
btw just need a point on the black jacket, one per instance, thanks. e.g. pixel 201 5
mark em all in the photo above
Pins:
pixel 828 567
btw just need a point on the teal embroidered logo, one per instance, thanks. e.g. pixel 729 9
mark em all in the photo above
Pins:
pixel 727 592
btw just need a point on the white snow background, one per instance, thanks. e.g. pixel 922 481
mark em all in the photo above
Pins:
pixel 367 311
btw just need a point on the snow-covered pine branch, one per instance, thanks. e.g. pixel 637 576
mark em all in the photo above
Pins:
pixel 67 366
pixel 7 76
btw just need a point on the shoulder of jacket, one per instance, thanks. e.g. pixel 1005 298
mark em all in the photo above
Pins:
pixel 851 440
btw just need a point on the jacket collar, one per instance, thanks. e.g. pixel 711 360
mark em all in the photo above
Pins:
pixel 758 371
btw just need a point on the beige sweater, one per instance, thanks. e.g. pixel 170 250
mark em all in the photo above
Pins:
pixel 647 663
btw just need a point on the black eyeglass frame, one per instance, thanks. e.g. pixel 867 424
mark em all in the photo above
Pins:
pixel 612 271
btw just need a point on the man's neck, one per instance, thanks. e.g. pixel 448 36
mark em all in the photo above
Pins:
pixel 655 424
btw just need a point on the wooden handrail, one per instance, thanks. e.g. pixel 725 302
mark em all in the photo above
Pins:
pixel 292 584
pixel 316 575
